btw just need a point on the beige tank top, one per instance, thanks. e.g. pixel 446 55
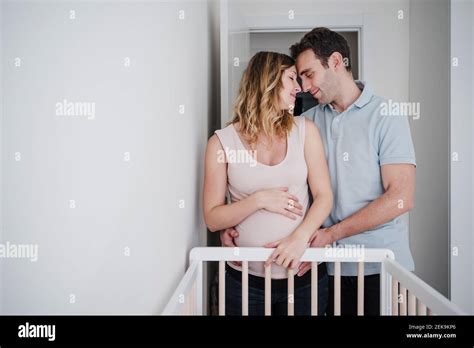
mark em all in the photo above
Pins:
pixel 246 176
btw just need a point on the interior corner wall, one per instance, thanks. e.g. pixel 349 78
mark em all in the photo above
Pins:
pixel 429 86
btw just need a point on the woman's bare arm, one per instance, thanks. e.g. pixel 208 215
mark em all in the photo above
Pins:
pixel 217 214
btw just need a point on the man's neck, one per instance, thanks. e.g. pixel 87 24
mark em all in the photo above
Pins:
pixel 349 92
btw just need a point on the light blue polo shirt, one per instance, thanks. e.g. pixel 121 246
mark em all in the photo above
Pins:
pixel 357 143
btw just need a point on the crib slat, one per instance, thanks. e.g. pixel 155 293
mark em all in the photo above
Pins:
pixel 430 312
pixel 221 287
pixel 403 302
pixel 186 305
pixel 394 296
pixel 411 303
pixel 421 308
pixel 314 288
pixel 360 289
pixel 245 288
pixel 291 292
pixel 192 303
pixel 184 308
pixel 268 290
pixel 337 288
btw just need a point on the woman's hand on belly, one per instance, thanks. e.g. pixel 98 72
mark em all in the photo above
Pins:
pixel 288 250
pixel 279 200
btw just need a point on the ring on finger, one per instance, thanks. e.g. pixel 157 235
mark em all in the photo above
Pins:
pixel 291 204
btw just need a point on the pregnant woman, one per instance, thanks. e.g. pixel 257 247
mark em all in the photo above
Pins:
pixel 269 196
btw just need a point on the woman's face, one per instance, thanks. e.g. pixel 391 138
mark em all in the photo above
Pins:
pixel 289 89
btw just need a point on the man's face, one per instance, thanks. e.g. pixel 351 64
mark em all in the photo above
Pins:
pixel 315 78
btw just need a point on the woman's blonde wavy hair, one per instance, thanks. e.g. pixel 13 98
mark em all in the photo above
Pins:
pixel 257 104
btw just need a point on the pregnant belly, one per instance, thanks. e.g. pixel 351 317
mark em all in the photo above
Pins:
pixel 261 228
pixel 264 227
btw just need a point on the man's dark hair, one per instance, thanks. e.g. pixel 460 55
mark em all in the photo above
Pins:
pixel 323 42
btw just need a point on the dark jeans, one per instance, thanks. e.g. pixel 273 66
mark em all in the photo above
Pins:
pixel 349 295
pixel 279 295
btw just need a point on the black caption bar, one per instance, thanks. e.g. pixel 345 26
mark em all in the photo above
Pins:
pixel 50 330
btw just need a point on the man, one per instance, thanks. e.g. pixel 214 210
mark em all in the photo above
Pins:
pixel 371 162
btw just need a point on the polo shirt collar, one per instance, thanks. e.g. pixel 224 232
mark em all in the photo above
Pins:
pixel 366 94
pixel 364 97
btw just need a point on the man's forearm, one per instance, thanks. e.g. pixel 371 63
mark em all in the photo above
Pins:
pixel 383 209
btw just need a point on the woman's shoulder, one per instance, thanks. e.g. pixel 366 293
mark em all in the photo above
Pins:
pixel 305 123
pixel 302 120
pixel 224 136
pixel 306 128
pixel 228 127
pixel 300 123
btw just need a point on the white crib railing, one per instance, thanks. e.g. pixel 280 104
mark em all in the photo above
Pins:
pixel 401 292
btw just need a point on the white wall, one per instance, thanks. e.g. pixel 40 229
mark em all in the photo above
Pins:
pixel 462 146
pixel 429 86
pixel 119 204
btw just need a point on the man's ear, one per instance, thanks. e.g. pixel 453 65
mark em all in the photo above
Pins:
pixel 336 61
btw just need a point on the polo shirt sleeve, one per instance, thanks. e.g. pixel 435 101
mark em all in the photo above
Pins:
pixel 394 140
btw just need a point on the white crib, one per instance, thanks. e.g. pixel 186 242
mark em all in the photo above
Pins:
pixel 401 291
